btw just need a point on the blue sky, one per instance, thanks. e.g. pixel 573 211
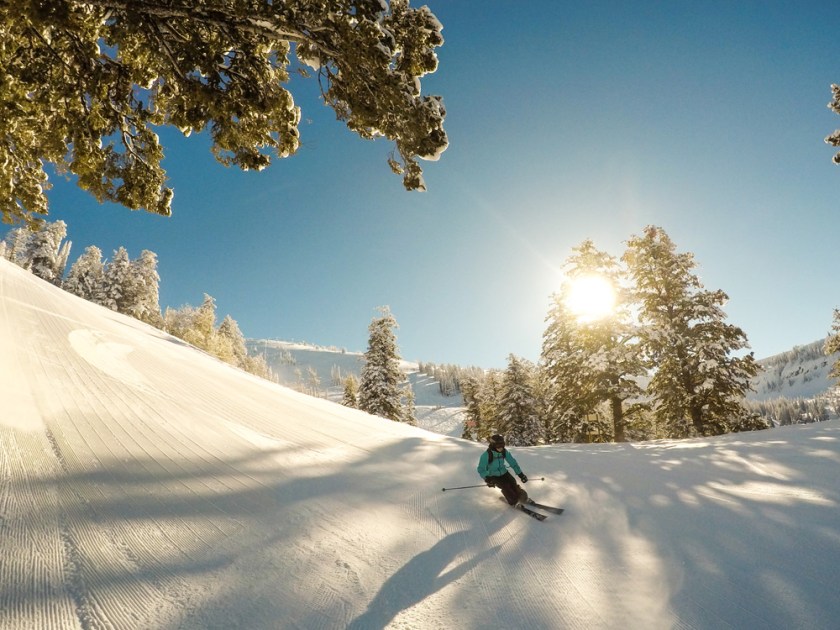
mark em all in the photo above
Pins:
pixel 566 121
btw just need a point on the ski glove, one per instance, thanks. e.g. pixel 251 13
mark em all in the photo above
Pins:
pixel 490 483
pixel 523 477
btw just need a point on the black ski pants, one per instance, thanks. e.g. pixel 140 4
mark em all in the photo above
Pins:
pixel 507 484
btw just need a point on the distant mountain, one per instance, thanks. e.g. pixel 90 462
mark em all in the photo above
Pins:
pixel 798 373
pixel 321 370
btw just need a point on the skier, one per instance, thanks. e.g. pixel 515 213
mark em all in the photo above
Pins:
pixel 492 468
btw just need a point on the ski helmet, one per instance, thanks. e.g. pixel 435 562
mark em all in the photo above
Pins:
pixel 497 440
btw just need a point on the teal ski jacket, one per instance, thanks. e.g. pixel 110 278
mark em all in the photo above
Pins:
pixel 496 467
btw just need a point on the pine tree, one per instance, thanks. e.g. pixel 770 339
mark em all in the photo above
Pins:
pixel 408 404
pixel 44 256
pixel 16 243
pixel 592 360
pixel 87 276
pixel 202 332
pixel 697 385
pixel 144 300
pixel 379 390
pixel 118 282
pixel 233 338
pixel 351 392
pixel 88 84
pixel 472 412
pixel 518 417
pixel 832 344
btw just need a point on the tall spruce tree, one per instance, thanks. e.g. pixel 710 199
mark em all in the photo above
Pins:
pixel 379 390
pixel 144 300
pixel 697 385
pixel 86 83
pixel 87 276
pixel 45 256
pixel 832 344
pixel 592 360
pixel 519 418
pixel 118 282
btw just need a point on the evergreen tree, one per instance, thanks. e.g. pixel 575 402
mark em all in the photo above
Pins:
pixel 697 386
pixel 571 400
pixel 490 397
pixel 351 392
pixel 379 390
pixel 16 243
pixel 832 344
pixel 202 332
pixel 44 256
pixel 518 417
pixel 592 360
pixel 472 412
pixel 232 338
pixel 87 276
pixel 409 405
pixel 143 302
pixel 86 84
pixel 118 283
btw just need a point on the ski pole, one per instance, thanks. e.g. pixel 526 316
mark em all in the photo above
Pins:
pixel 481 485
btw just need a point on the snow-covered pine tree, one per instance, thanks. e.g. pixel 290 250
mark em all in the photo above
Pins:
pixel 202 331
pixel 409 404
pixel 16 242
pixel 472 413
pixel 697 385
pixel 351 392
pixel 379 390
pixel 144 301
pixel 118 282
pixel 832 344
pixel 518 417
pixel 229 330
pixel 96 110
pixel 43 255
pixel 490 396
pixel 87 275
pixel 571 400
pixel 593 360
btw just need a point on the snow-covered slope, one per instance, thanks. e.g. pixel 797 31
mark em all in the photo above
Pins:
pixel 144 484
pixel 798 373
pixel 294 363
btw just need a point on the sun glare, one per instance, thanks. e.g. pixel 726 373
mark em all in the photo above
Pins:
pixel 590 297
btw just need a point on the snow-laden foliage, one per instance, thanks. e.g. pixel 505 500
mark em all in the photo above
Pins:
pixel 45 255
pixel 87 276
pixel 589 362
pixel 379 389
pixel 518 417
pixel 118 282
pixel 697 385
pixel 86 82
pixel 40 248
pixel 832 344
pixel 350 397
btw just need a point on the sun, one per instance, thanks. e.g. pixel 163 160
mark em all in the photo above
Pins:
pixel 590 298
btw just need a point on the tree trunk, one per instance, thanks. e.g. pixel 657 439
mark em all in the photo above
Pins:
pixel 618 419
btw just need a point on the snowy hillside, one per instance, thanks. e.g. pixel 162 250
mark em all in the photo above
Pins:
pixel 798 373
pixel 319 370
pixel 144 484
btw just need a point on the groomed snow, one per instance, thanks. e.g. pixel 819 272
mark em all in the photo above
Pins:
pixel 144 484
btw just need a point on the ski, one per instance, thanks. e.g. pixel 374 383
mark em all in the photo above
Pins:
pixel 531 513
pixel 522 508
pixel 547 508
